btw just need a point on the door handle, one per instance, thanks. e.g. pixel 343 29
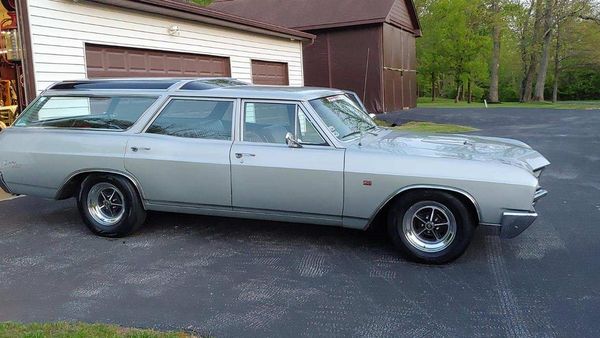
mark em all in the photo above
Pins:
pixel 136 149
pixel 240 155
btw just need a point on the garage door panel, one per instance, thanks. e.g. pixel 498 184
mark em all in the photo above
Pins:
pixel 270 73
pixel 138 62
pixel 110 61
pixel 115 61
pixel 95 61
pixel 156 63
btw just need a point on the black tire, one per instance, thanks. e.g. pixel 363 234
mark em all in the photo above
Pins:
pixel 131 217
pixel 418 243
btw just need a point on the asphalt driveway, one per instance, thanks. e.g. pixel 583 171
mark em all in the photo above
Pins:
pixel 229 277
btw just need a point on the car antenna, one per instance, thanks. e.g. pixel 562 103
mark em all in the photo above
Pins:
pixel 360 137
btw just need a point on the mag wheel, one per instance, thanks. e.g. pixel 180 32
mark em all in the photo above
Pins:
pixel 429 226
pixel 106 204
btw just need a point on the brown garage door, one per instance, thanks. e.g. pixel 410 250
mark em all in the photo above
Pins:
pixel 109 61
pixel 270 73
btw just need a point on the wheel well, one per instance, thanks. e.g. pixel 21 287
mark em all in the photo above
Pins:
pixel 381 217
pixel 71 188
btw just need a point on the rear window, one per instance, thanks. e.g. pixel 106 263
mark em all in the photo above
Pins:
pixel 111 112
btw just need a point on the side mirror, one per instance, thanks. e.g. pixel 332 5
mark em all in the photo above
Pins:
pixel 291 141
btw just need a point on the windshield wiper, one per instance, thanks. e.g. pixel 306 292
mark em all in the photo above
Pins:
pixel 361 131
pixel 353 133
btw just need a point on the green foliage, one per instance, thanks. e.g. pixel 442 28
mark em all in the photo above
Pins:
pixel 429 127
pixel 425 102
pixel 201 2
pixel 80 330
pixel 456 47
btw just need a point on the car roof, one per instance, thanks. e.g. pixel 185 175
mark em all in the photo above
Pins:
pixel 200 87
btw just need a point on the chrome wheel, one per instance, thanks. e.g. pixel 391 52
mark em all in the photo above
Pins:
pixel 429 226
pixel 106 204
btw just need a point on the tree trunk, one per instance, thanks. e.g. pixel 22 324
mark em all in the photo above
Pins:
pixel 458 84
pixel 432 86
pixel 470 92
pixel 528 80
pixel 495 64
pixel 540 84
pixel 534 48
pixel 556 65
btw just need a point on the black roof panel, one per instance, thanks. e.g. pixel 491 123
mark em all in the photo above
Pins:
pixel 157 84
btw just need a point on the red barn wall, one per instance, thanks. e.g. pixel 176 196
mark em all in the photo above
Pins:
pixel 348 58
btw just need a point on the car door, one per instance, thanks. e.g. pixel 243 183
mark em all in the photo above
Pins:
pixel 182 157
pixel 268 175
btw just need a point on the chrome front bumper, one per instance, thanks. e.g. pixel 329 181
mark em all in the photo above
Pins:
pixel 515 222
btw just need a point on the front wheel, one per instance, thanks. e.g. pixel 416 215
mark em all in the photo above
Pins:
pixel 430 227
pixel 110 205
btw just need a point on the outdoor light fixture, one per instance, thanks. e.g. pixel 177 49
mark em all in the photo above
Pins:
pixel 174 30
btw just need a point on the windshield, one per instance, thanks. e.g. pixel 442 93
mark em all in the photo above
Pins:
pixel 342 116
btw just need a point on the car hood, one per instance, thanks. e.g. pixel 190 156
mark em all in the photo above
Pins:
pixel 456 146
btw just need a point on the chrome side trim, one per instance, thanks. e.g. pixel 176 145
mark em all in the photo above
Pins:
pixel 130 177
pixel 515 222
pixel 540 193
pixel 424 186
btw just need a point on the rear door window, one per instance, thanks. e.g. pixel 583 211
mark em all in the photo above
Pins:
pixel 202 119
pixel 111 112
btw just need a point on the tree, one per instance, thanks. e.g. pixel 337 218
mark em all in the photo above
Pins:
pixel 453 44
pixel 431 47
pixel 496 11
pixel 512 48
pixel 530 48
pixel 548 19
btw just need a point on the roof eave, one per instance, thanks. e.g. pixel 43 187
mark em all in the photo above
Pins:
pixel 341 24
pixel 208 16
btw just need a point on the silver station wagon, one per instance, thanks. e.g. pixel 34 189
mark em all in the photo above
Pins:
pixel 219 147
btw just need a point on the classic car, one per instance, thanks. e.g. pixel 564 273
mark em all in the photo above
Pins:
pixel 218 147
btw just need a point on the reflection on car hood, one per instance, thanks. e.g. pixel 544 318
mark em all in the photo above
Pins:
pixel 467 147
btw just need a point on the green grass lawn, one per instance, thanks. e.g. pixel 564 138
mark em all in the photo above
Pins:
pixel 429 127
pixel 80 330
pixel 425 102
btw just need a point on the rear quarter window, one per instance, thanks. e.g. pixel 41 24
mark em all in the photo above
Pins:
pixel 111 112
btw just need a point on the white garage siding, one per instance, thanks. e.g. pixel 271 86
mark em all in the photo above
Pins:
pixel 60 29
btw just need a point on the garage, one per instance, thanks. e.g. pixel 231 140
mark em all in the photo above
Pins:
pixel 368 47
pixel 46 41
pixel 110 61
pixel 270 73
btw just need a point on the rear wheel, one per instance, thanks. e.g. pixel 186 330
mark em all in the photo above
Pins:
pixel 110 205
pixel 431 227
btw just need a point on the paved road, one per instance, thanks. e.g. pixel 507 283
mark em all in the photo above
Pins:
pixel 231 277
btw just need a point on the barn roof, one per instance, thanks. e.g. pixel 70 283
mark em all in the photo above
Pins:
pixel 307 15
pixel 184 10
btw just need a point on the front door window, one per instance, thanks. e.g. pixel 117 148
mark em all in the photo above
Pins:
pixel 270 123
